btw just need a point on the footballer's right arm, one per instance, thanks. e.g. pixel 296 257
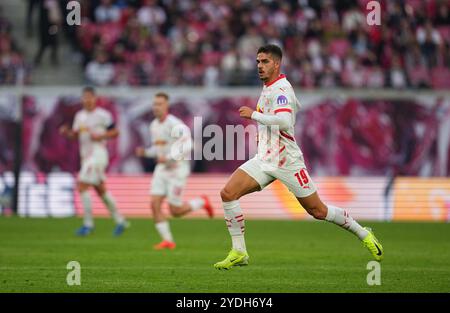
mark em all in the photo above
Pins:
pixel 282 119
pixel 148 153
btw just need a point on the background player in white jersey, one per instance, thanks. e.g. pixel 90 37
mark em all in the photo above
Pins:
pixel 93 126
pixel 171 147
pixel 278 157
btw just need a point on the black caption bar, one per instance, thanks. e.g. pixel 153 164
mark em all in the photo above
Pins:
pixel 212 302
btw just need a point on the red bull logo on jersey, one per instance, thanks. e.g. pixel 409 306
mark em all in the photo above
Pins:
pixel 282 100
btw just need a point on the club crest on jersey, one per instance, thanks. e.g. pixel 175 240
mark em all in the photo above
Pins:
pixel 282 100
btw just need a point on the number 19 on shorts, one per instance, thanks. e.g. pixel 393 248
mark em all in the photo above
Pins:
pixel 302 177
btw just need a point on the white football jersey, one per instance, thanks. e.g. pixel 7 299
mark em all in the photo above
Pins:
pixel 278 147
pixel 165 134
pixel 95 122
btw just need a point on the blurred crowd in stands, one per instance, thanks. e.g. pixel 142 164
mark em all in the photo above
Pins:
pixel 213 42
pixel 327 43
pixel 13 68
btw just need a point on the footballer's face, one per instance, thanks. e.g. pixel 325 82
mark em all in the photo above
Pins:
pixel 89 100
pixel 268 66
pixel 160 107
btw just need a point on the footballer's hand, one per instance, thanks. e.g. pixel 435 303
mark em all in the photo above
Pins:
pixel 140 152
pixel 246 112
pixel 64 130
pixel 96 137
pixel 162 159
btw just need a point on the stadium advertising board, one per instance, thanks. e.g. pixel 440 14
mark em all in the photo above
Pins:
pixel 55 195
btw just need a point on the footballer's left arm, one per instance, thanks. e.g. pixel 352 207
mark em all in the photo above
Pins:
pixel 111 132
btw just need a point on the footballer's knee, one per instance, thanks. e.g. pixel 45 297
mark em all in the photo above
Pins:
pixel 100 190
pixel 228 195
pixel 82 187
pixel 175 210
pixel 155 205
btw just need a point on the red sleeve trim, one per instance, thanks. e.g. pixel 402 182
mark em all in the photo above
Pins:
pixel 282 133
pixel 283 110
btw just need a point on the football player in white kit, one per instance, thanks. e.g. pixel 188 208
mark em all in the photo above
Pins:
pixel 171 147
pixel 278 157
pixel 93 126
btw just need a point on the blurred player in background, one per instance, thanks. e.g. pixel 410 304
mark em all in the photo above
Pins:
pixel 93 126
pixel 279 157
pixel 171 147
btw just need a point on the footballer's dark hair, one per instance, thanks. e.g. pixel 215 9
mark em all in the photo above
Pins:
pixel 162 95
pixel 274 50
pixel 89 89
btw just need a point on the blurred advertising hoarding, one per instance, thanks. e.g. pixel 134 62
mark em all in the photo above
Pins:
pixel 366 198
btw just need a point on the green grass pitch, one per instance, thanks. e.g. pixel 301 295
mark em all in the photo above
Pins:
pixel 285 256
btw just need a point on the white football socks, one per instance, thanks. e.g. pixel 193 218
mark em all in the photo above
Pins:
pixel 341 218
pixel 163 229
pixel 108 200
pixel 88 221
pixel 235 223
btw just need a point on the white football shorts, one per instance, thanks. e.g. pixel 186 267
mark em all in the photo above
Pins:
pixel 295 178
pixel 170 182
pixel 93 167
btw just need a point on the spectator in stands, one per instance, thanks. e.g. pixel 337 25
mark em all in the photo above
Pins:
pixel 416 67
pixel 307 78
pixel 118 54
pixel 360 43
pixel 211 77
pixel 397 76
pixel 151 15
pixel 31 5
pixel 50 23
pixel 404 38
pixel 353 19
pixel 328 79
pixel 375 78
pixel 443 15
pixel 107 12
pixel 429 39
pixel 100 71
